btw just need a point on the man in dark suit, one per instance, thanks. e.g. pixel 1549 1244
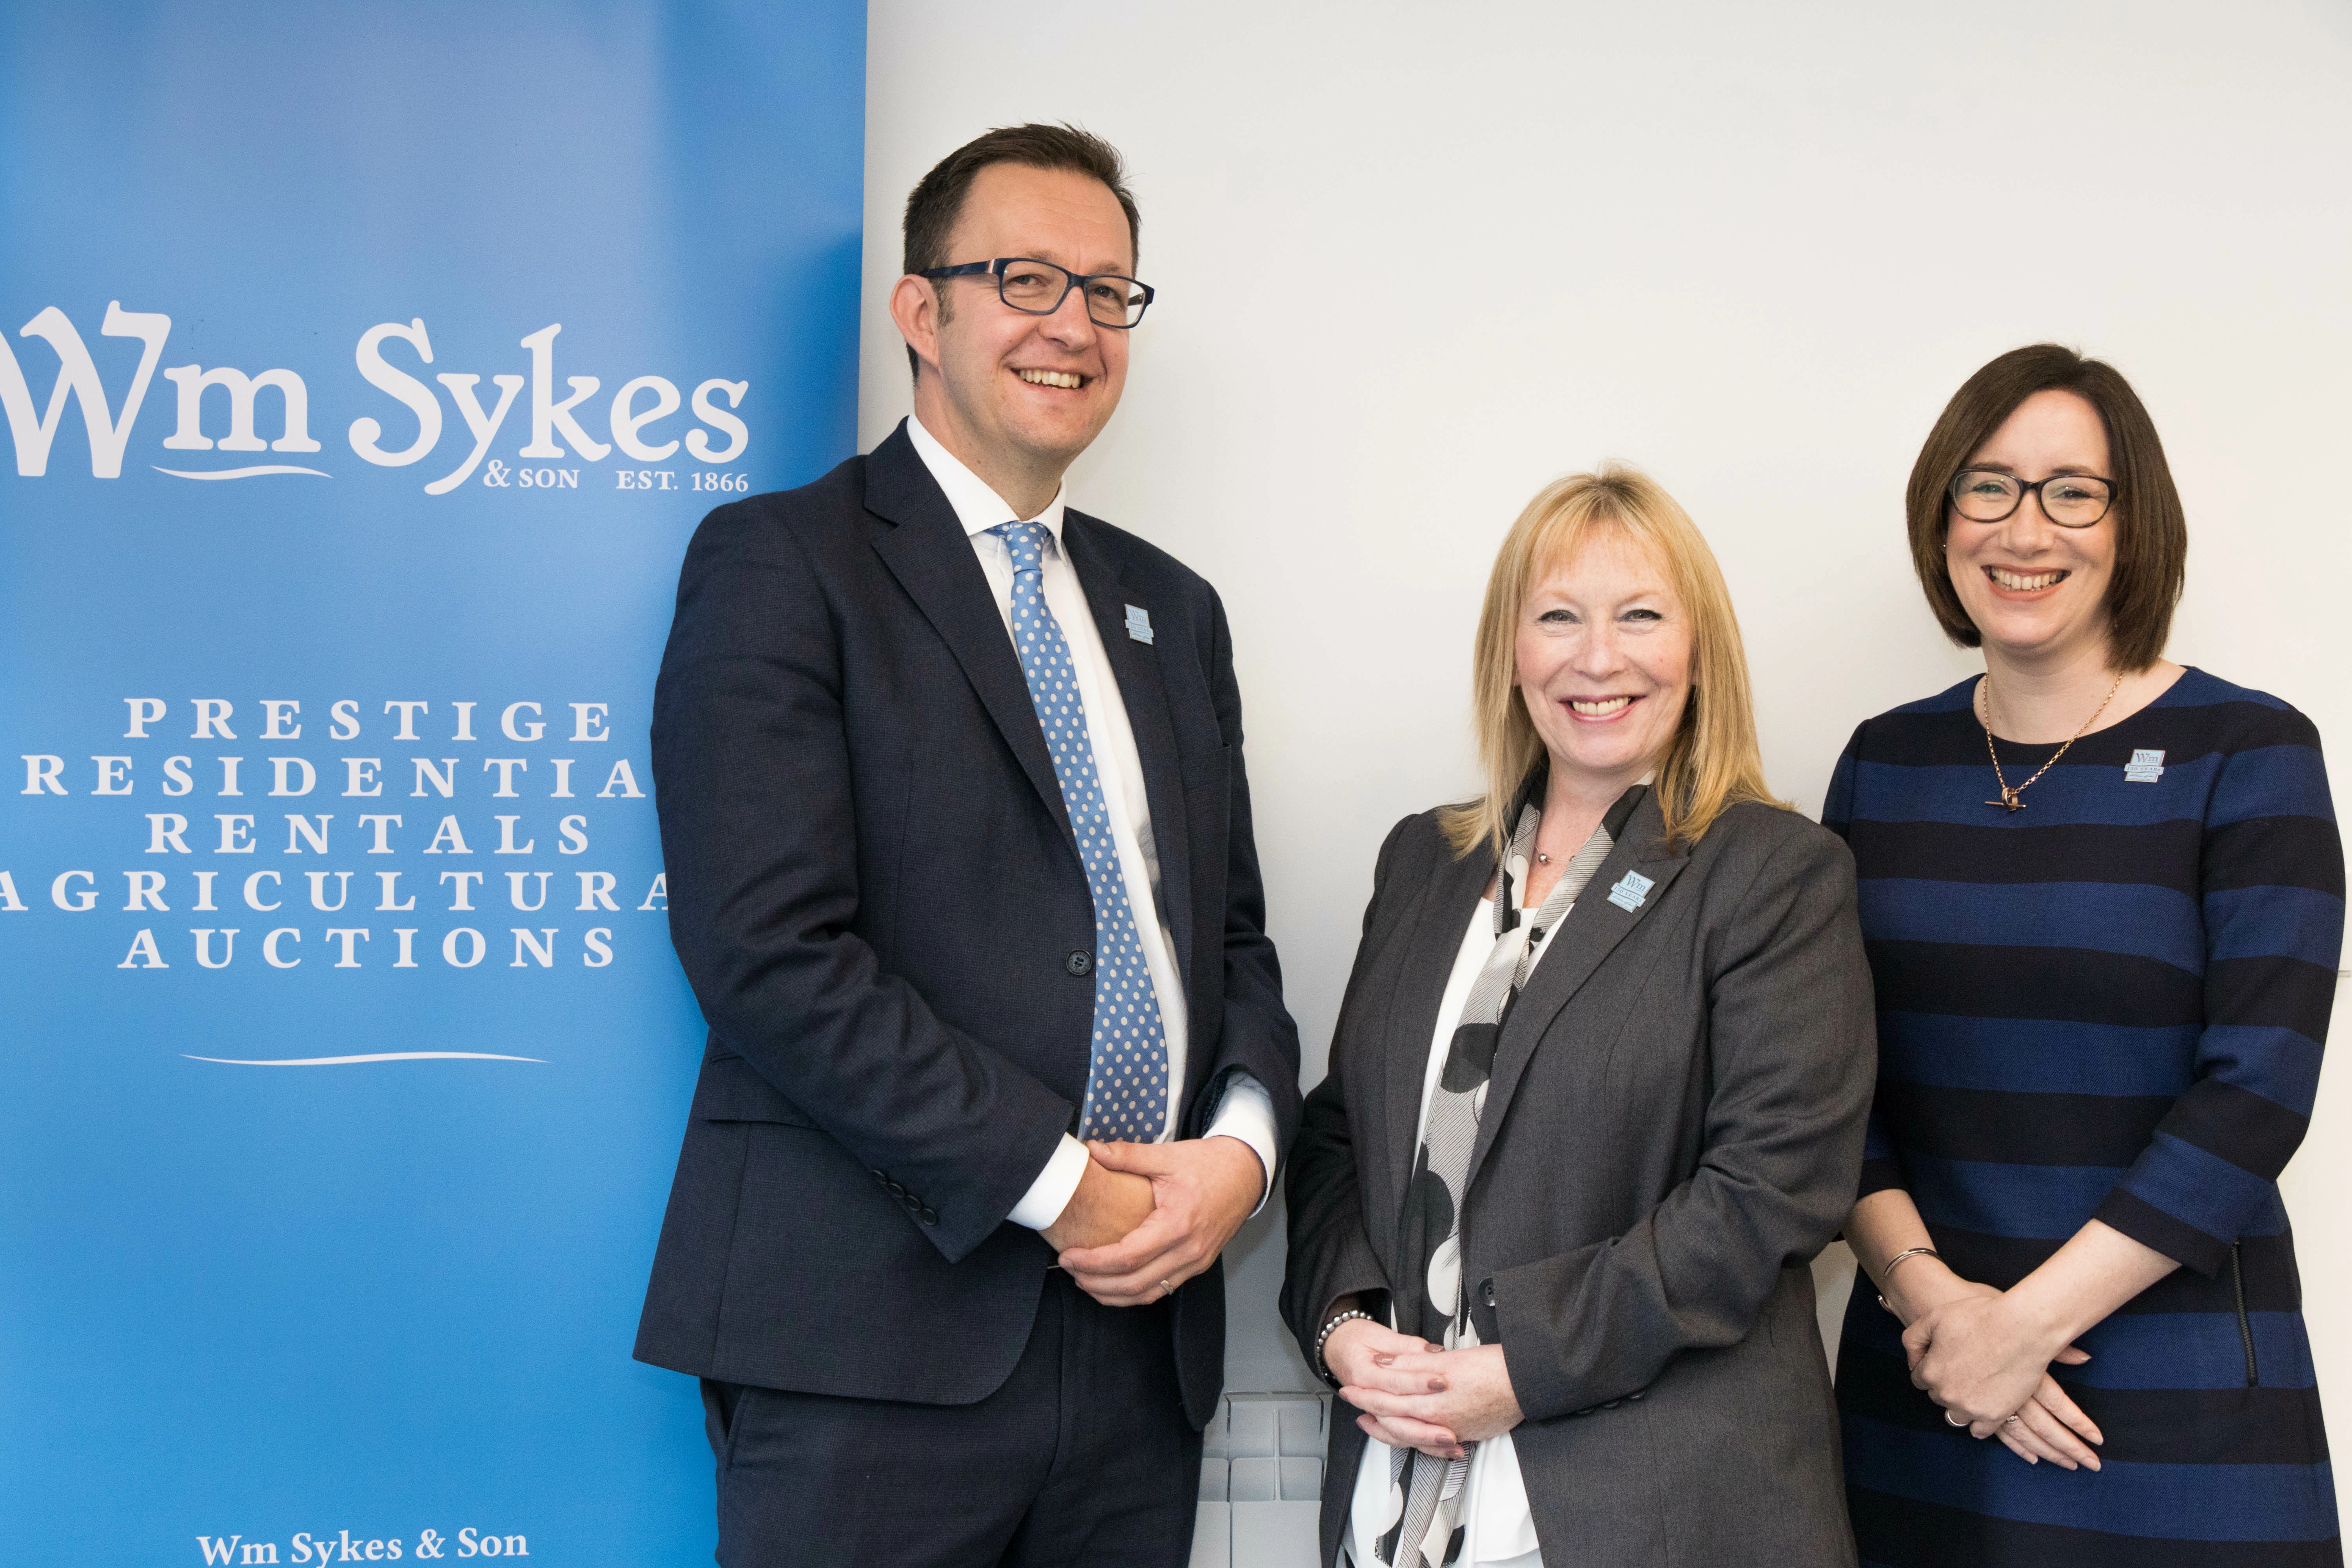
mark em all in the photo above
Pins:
pixel 961 869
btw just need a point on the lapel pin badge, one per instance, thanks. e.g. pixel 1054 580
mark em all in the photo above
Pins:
pixel 2145 767
pixel 1138 624
pixel 1631 889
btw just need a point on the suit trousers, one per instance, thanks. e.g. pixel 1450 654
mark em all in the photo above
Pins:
pixel 1082 1456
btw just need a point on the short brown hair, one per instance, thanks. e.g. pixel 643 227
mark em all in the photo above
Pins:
pixel 937 200
pixel 1713 761
pixel 2151 530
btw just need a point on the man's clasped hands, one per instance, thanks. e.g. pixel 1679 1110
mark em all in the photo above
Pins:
pixel 1147 1216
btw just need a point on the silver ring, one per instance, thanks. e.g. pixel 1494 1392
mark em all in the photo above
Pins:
pixel 1949 1422
pixel 1164 1291
pixel 2011 1422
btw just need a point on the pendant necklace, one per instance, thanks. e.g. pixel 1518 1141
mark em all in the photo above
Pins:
pixel 2008 793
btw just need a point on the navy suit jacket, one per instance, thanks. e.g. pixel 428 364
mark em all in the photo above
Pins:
pixel 877 897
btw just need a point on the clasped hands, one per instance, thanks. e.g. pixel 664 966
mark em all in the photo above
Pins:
pixel 1970 1346
pixel 1977 1353
pixel 1147 1216
pixel 1415 1396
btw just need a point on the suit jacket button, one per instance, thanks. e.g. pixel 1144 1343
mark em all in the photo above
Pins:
pixel 928 1215
pixel 1080 961
pixel 1486 1293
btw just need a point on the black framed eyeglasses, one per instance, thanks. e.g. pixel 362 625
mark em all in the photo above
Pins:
pixel 2069 500
pixel 1039 287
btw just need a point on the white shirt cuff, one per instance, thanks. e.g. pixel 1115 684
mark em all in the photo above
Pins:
pixel 1247 1113
pixel 1056 1185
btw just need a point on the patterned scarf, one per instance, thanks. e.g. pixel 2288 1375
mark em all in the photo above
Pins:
pixel 1424 1493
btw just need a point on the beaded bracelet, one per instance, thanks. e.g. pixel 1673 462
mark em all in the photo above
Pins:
pixel 1322 1366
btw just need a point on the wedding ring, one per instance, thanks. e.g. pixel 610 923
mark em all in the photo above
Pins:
pixel 1164 1291
pixel 2011 1422
pixel 1949 1422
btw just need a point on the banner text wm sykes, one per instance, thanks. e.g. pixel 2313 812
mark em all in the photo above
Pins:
pixel 635 416
pixel 237 1551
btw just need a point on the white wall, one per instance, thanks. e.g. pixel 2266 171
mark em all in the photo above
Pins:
pixel 1414 261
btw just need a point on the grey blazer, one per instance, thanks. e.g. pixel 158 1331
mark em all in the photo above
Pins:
pixel 1672 1132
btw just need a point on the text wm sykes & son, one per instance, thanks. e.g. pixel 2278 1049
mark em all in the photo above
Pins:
pixel 237 1551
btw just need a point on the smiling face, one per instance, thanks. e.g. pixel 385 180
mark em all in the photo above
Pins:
pixel 1604 661
pixel 1017 397
pixel 2037 592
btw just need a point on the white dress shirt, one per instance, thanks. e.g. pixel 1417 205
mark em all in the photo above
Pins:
pixel 1246 1112
pixel 1501 1527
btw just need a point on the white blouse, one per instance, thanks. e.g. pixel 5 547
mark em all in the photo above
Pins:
pixel 1502 1531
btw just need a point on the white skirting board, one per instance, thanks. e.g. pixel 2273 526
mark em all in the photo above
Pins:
pixel 1262 1482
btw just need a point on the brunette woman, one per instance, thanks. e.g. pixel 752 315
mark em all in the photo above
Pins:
pixel 2103 897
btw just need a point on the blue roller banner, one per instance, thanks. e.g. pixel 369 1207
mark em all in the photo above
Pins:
pixel 365 369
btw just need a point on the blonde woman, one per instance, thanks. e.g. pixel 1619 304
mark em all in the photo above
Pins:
pixel 1596 1098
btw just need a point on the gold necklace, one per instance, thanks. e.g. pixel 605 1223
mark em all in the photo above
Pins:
pixel 2009 796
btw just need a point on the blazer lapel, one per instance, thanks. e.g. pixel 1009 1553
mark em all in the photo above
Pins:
pixel 1424 965
pixel 1584 941
pixel 932 558
pixel 1135 666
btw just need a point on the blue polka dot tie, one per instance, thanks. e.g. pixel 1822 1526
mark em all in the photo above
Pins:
pixel 1127 1082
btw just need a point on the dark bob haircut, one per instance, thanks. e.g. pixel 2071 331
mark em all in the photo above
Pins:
pixel 2151 531
pixel 937 200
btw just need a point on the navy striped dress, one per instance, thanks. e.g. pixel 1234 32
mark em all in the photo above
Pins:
pixel 2108 1004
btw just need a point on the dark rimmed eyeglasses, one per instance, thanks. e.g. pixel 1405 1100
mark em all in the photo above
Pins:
pixel 1039 287
pixel 2069 500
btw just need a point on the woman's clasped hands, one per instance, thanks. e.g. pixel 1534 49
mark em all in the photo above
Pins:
pixel 1416 1395
pixel 1979 1353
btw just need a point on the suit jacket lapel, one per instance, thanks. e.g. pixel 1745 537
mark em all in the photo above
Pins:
pixel 1135 666
pixel 1425 963
pixel 932 558
pixel 1585 939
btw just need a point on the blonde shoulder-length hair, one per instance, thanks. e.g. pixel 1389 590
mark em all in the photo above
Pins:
pixel 1713 761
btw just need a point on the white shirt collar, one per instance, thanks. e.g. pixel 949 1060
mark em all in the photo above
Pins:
pixel 977 506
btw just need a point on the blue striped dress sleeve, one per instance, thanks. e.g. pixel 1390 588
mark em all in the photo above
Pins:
pixel 1882 1165
pixel 2272 901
